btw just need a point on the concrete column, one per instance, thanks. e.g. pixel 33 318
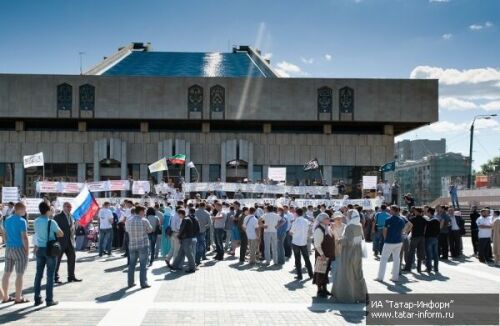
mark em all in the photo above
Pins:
pixel 19 176
pixel 250 161
pixel 96 162
pixel 123 166
pixel 264 171
pixel 143 172
pixel 82 169
pixel 327 174
pixel 205 172
pixel 223 162
pixel 187 171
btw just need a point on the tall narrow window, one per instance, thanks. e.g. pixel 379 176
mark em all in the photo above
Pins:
pixel 346 100
pixel 324 99
pixel 217 99
pixel 195 98
pixel 87 97
pixel 64 97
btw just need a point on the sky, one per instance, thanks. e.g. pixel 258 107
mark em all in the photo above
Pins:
pixel 456 41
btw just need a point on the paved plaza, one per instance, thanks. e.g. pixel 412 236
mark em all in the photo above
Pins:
pixel 222 293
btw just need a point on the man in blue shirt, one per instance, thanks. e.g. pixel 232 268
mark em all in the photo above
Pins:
pixel 45 233
pixel 16 252
pixel 378 229
pixel 393 230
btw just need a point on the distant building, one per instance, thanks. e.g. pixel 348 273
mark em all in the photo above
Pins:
pixel 414 150
pixel 423 178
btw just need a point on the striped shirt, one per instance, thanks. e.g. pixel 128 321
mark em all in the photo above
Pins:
pixel 138 229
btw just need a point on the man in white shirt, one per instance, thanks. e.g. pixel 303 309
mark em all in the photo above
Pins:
pixel 484 224
pixel 299 232
pixel 251 225
pixel 271 220
pixel 175 225
pixel 105 229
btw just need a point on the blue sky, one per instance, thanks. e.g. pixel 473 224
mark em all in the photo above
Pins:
pixel 457 41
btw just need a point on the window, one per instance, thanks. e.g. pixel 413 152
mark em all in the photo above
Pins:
pixel 346 100
pixel 324 100
pixel 64 97
pixel 87 97
pixel 217 99
pixel 195 98
pixel 213 172
pixel 257 174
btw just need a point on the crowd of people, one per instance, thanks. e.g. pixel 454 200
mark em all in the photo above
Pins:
pixel 185 233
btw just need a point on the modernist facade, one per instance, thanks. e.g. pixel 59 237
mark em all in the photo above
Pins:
pixel 139 105
pixel 413 150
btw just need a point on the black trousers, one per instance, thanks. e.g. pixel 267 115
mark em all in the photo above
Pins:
pixel 288 245
pixel 455 240
pixel 484 249
pixel 243 245
pixel 302 250
pixel 443 245
pixel 475 240
pixel 70 255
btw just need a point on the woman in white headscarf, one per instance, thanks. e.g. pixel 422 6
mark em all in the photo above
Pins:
pixel 350 285
pixel 165 240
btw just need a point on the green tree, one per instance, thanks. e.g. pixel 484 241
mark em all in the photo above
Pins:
pixel 491 166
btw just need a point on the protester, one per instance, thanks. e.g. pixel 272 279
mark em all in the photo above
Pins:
pixel 338 229
pixel 45 230
pixel 431 241
pixel 324 244
pixel 154 221
pixel 484 224
pixel 241 214
pixel 299 232
pixel 219 219
pixel 495 237
pixel 67 225
pixel 165 240
pixel 204 221
pixel 457 229
pixel 271 223
pixel 175 224
pixel 474 215
pixel 251 225
pixel 444 230
pixel 16 252
pixel 138 229
pixel 187 232
pixel 281 234
pixel 393 230
pixel 350 285
pixel 378 228
pixel 417 226
pixel 105 229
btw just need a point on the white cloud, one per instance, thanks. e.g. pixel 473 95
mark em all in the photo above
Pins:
pixel 267 56
pixel 328 57
pixel 455 104
pixel 307 60
pixel 447 36
pixel 447 127
pixel 287 69
pixel 491 106
pixel 478 27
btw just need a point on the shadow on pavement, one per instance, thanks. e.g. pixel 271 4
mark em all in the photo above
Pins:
pixel 117 295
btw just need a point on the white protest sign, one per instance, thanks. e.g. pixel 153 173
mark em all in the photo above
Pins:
pixel 276 174
pixel 369 182
pixel 10 194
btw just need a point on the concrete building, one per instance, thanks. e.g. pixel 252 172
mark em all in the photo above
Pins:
pixel 423 178
pixel 139 105
pixel 414 150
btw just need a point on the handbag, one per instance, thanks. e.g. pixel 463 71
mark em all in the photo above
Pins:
pixel 54 248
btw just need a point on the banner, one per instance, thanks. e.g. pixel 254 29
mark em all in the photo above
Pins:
pixel 32 205
pixel 276 174
pixel 331 203
pixel 10 194
pixel 259 188
pixel 141 187
pixel 164 188
pixel 369 182
pixel 33 160
pixel 76 187
pixel 160 165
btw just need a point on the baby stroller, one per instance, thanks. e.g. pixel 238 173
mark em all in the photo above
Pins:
pixel 92 237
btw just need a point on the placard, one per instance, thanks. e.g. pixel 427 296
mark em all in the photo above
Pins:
pixel 369 182
pixel 10 194
pixel 276 174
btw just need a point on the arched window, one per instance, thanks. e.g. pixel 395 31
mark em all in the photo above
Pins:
pixel 87 97
pixel 325 99
pixel 195 98
pixel 64 97
pixel 217 98
pixel 346 100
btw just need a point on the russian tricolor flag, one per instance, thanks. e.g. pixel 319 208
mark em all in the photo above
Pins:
pixel 85 207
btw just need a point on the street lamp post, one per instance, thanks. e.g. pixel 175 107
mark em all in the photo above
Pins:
pixel 480 116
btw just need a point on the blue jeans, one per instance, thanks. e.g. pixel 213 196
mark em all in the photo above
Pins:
pixel 378 241
pixel 200 247
pixel 431 253
pixel 142 255
pixel 219 235
pixel 454 200
pixel 105 240
pixel 185 251
pixel 152 246
pixel 281 248
pixel 43 260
